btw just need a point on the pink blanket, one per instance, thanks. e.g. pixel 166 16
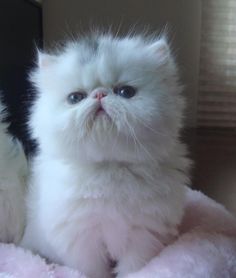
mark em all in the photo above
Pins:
pixel 206 248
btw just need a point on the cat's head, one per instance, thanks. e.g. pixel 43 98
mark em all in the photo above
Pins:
pixel 107 98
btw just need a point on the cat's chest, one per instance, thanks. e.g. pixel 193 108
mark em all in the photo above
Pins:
pixel 101 190
pixel 106 199
pixel 112 183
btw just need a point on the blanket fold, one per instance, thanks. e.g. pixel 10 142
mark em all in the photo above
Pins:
pixel 205 248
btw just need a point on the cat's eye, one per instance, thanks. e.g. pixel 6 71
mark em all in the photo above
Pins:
pixel 76 97
pixel 125 91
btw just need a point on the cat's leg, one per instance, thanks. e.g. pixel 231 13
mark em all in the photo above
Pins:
pixel 89 256
pixel 141 248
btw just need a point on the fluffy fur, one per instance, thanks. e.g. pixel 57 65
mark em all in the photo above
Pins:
pixel 205 248
pixel 107 186
pixel 13 172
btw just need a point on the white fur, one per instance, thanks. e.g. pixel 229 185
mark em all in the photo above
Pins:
pixel 109 186
pixel 13 172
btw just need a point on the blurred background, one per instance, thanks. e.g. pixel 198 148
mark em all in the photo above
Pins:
pixel 203 38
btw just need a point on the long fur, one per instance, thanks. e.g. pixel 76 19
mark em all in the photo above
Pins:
pixel 13 174
pixel 108 187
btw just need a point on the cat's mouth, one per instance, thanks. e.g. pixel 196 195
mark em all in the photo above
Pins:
pixel 100 111
pixel 100 114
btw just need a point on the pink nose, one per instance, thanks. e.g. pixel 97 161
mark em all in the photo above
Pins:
pixel 99 95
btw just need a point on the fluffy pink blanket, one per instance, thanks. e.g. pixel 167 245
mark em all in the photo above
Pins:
pixel 206 248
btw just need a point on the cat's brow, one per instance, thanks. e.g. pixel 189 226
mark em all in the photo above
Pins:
pixel 91 46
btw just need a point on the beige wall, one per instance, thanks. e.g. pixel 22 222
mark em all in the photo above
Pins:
pixel 62 17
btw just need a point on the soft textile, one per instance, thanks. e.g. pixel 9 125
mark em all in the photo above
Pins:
pixel 206 248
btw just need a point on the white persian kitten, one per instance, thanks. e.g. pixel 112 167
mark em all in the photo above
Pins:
pixel 13 173
pixel 108 182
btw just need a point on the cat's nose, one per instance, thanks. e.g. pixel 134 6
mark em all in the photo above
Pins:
pixel 99 95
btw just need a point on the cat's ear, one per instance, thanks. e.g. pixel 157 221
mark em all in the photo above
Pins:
pixel 160 50
pixel 44 60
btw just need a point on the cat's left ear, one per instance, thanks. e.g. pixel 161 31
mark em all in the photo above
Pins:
pixel 160 49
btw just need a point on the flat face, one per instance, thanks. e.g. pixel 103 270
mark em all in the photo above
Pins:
pixel 103 90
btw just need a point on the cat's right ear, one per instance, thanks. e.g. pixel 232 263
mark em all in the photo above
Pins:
pixel 160 50
pixel 44 60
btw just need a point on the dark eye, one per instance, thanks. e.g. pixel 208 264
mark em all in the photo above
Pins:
pixel 76 97
pixel 125 91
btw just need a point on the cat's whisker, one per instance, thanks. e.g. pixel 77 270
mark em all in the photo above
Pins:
pixel 136 149
pixel 114 118
pixel 123 112
pixel 151 129
pixel 137 140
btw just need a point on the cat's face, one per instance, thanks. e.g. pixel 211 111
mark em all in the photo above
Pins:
pixel 106 99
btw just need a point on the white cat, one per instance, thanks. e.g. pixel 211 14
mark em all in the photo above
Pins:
pixel 13 174
pixel 109 178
